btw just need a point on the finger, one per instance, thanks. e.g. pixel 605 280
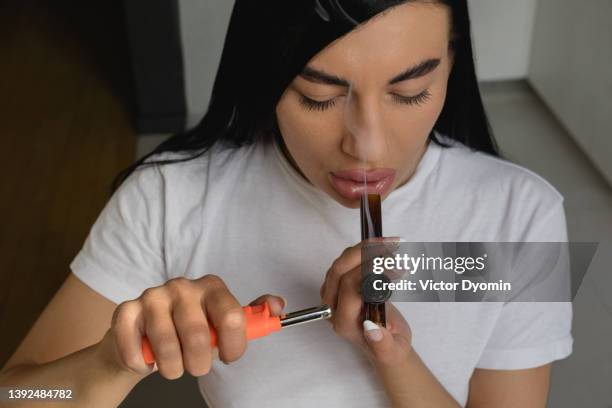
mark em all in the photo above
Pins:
pixel 128 329
pixel 276 303
pixel 349 311
pixel 387 349
pixel 349 259
pixel 227 317
pixel 160 329
pixel 385 249
pixel 194 335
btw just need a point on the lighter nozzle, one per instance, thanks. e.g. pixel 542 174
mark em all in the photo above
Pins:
pixel 306 315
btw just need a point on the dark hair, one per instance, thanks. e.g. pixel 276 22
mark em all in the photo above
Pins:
pixel 268 44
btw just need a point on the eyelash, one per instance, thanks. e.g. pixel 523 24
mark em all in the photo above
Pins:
pixel 413 100
pixel 312 105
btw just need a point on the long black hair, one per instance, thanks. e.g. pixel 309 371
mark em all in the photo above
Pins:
pixel 267 45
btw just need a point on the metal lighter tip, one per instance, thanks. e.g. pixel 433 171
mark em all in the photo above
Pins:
pixel 307 315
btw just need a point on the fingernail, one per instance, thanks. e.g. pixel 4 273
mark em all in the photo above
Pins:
pixel 372 331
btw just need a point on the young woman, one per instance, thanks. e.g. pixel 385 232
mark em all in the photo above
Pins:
pixel 315 102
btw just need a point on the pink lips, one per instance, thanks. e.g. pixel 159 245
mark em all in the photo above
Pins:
pixel 352 184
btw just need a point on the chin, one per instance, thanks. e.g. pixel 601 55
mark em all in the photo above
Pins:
pixel 348 203
pixel 343 201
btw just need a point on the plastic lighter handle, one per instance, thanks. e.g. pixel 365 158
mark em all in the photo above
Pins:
pixel 259 324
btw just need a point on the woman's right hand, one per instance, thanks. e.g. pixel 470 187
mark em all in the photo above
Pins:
pixel 176 318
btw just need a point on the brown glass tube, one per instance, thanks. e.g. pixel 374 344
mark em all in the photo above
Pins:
pixel 371 227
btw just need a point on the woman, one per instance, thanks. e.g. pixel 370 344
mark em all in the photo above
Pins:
pixel 315 103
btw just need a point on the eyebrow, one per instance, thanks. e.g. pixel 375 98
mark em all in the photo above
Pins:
pixel 417 71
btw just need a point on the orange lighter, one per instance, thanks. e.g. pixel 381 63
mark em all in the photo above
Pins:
pixel 259 324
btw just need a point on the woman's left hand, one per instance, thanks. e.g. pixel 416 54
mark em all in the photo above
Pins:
pixel 342 291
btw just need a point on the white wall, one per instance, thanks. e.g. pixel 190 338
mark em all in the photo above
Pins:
pixel 203 27
pixel 571 69
pixel 502 32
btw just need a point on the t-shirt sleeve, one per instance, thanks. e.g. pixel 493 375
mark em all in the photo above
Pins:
pixel 531 334
pixel 124 251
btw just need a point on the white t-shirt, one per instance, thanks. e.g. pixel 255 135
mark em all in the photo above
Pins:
pixel 246 215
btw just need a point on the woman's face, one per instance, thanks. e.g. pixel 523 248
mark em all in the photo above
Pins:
pixel 358 117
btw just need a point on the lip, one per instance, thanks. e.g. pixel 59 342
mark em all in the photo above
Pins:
pixel 354 183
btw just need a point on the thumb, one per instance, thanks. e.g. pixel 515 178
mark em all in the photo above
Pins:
pixel 276 303
pixel 384 345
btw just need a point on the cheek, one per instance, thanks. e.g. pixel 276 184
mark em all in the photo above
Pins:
pixel 307 134
pixel 428 114
pixel 412 125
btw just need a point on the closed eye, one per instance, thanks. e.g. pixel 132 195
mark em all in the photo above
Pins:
pixel 412 100
pixel 311 104
pixel 314 105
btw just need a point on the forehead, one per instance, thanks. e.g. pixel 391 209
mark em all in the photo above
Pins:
pixel 389 42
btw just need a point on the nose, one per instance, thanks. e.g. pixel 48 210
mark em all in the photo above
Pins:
pixel 364 137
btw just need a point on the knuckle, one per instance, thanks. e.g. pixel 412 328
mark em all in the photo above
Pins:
pixel 154 296
pixel 346 252
pixel 125 313
pixel 178 285
pixel 233 319
pixel 212 281
pixel 148 292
